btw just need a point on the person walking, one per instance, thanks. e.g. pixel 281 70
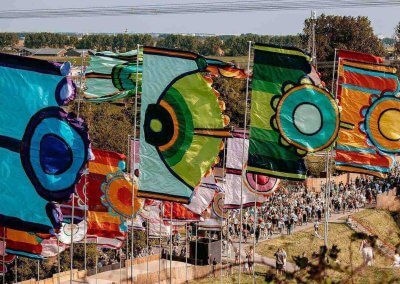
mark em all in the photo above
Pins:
pixel 280 261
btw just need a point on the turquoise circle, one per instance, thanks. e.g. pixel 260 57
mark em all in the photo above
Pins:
pixel 308 118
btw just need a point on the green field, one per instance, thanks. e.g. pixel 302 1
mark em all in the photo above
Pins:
pixel 350 257
pixel 383 224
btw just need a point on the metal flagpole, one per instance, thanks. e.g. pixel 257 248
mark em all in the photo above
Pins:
pixel 80 86
pixel 161 249
pixel 96 261
pixel 38 270
pixel 255 229
pixel 221 248
pixel 72 240
pixel 120 265
pixel 170 245
pixel 127 256
pixel 134 153
pixel 84 226
pixel 333 73
pixel 16 269
pixel 223 188
pixel 314 48
pixel 4 255
pixel 148 255
pixel 195 250
pixel 243 161
pixel 58 261
pixel 186 259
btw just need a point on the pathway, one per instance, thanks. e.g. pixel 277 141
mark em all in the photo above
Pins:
pixel 290 267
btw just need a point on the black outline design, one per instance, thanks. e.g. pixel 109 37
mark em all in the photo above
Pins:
pixel 36 119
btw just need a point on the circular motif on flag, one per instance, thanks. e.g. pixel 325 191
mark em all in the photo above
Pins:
pixel 382 124
pixel 118 195
pixel 261 184
pixel 77 230
pixel 186 118
pixel 218 205
pixel 54 150
pixel 308 118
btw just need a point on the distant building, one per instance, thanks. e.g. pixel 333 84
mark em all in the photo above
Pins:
pixel 78 52
pixel 56 52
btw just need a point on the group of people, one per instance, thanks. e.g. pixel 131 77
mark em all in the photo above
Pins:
pixel 286 209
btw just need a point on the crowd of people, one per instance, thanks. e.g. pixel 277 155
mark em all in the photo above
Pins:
pixel 288 208
pixel 297 206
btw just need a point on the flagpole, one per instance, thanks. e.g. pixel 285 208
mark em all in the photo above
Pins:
pixel 38 271
pixel 85 225
pixel 16 269
pixel 96 260
pixel 120 265
pixel 186 259
pixel 161 249
pixel 333 73
pixel 243 161
pixel 170 244
pixel 80 87
pixel 195 252
pixel 221 248
pixel 127 256
pixel 72 239
pixel 223 188
pixel 148 255
pixel 134 151
pixel 58 261
pixel 254 229
pixel 4 255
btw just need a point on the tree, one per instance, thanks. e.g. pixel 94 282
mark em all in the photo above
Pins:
pixel 397 40
pixel 211 46
pixel 342 32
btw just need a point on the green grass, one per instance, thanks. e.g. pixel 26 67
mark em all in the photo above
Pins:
pixel 349 256
pixel 382 224
pixel 305 241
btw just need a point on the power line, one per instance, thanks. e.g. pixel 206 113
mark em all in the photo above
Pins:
pixel 190 8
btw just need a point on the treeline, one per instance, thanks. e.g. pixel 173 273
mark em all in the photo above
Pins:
pixel 55 40
pixel 209 45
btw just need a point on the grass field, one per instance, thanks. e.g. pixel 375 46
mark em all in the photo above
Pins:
pixel 349 256
pixel 382 223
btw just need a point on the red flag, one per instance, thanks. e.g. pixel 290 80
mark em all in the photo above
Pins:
pixel 359 56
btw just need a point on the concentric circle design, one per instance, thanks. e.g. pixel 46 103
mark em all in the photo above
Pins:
pixel 382 124
pixel 78 232
pixel 54 151
pixel 308 118
pixel 261 184
pixel 118 195
pixel 218 205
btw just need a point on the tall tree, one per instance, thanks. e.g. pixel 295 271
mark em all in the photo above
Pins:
pixel 397 38
pixel 342 32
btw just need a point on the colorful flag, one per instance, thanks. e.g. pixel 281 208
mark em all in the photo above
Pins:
pixel 367 96
pixel 182 125
pixel 290 115
pixel 233 177
pixel 112 76
pixel 43 149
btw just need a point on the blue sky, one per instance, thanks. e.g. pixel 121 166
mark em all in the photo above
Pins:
pixel 283 22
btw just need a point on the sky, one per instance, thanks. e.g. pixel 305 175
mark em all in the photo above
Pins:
pixel 383 19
